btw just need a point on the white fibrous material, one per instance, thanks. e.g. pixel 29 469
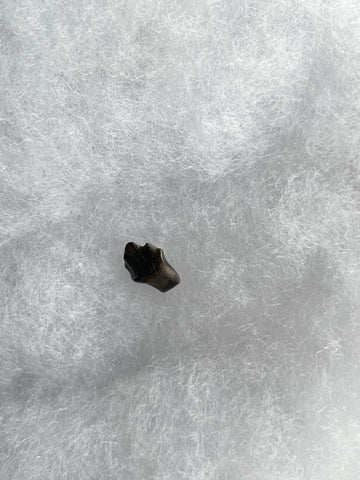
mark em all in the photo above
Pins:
pixel 226 133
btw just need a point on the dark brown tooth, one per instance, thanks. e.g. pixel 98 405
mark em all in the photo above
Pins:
pixel 148 264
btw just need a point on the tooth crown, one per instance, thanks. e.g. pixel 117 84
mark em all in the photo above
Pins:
pixel 148 264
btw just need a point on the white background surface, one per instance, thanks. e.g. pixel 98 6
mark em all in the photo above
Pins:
pixel 226 133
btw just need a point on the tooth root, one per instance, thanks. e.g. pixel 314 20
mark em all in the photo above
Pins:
pixel 148 264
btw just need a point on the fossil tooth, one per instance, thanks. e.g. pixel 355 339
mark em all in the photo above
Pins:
pixel 148 264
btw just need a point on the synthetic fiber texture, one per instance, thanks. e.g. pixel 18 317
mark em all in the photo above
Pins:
pixel 227 133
